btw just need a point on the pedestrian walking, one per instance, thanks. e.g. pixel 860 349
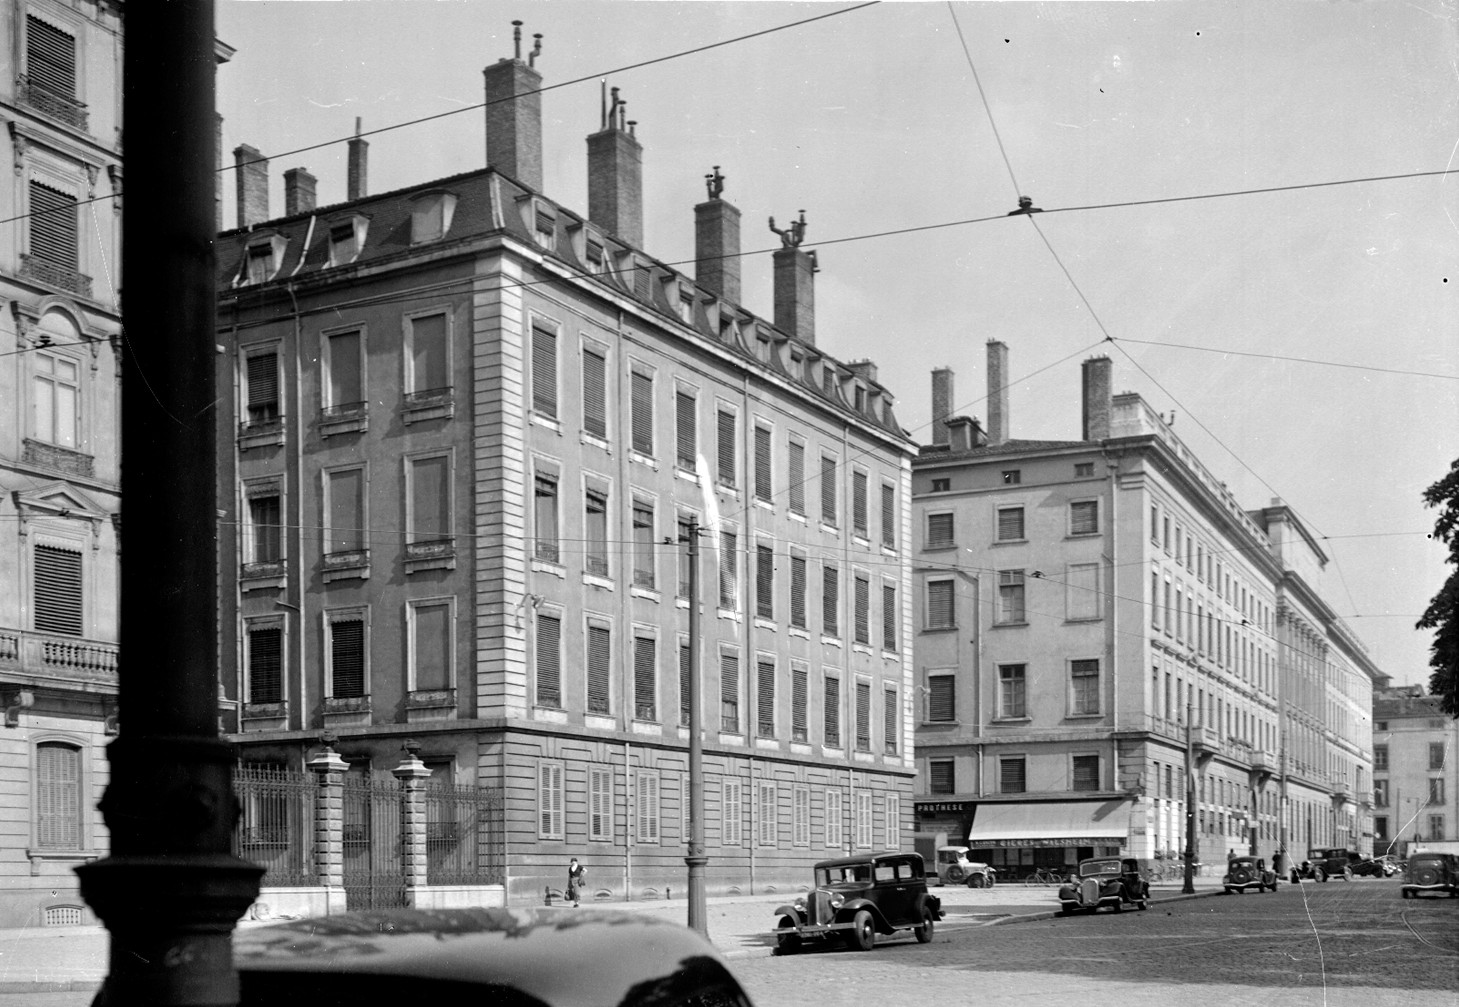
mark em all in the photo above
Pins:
pixel 577 877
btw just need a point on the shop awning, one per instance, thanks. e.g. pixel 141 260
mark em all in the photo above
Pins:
pixel 1070 823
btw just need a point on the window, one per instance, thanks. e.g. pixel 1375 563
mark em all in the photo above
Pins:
pixel 863 819
pixel 729 692
pixel 830 600
pixel 859 504
pixel 795 477
pixel 428 360
pixel 648 806
pixel 1084 517
pixel 54 241
pixel 263 534
pixel 862 599
pixel 834 818
pixel 731 798
pixel 344 381
pixel 893 822
pixel 729 571
pixel 645 678
pixel 888 618
pixel 344 242
pixel 265 658
pixel 941 698
pixel 595 527
pixel 765 699
pixel 544 370
pixel 430 498
pixel 641 412
pixel 940 531
pixel 50 59
pixel 888 515
pixel 797 591
pixel 549 661
pixel 544 516
pixel 58 796
pixel 1380 757
pixel 828 490
pixel 764 582
pixel 726 448
pixel 1436 790
pixel 346 656
pixel 58 589
pixel 259 266
pixel 800 816
pixel 764 489
pixel 940 612
pixel 940 777
pixel 643 544
pixel 942 485
pixel 863 716
pixel 430 216
pixel 1011 776
pixel 1084 687
pixel 600 659
pixel 1380 793
pixel 1012 690
pixel 1010 524
pixel 832 713
pixel 549 800
pixel 1436 827
pixel 1010 596
pixel 345 491
pixel 1081 591
pixel 767 817
pixel 56 409
pixel 600 804
pixel 431 660
pixel 891 721
pixel 595 392
pixel 1436 755
pixel 1083 470
pixel 1012 477
pixel 799 687
pixel 686 672
pixel 685 530
pixel 1155 524
pixel 686 427
pixel 261 394
pixel 1086 772
pixel 1380 827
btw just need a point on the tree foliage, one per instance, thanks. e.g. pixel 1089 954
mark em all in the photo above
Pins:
pixel 1442 615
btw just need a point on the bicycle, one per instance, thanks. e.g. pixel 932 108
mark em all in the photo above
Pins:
pixel 1043 876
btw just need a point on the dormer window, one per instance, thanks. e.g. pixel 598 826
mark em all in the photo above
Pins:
pixel 262 258
pixel 859 398
pixel 596 258
pixel 346 238
pixel 686 305
pixel 430 216
pixel 544 224
pixel 797 363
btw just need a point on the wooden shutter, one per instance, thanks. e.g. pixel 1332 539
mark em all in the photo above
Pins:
pixel 941 698
pixel 863 610
pixel 888 617
pixel 764 582
pixel 600 804
pixel 890 721
pixel 50 57
pixel 800 824
pixel 645 678
pixel 347 658
pixel 726 448
pixel 53 226
pixel 1011 776
pixel 828 490
pixel 58 591
pixel 858 503
pixel 686 668
pixel 763 489
pixel 1086 772
pixel 266 665
pixel 795 477
pixel 544 371
pixel 765 699
pixel 263 386
pixel 799 685
pixel 729 571
pixel 642 407
pixel 729 691
pixel 797 591
pixel 648 807
pixel 832 712
pixel 685 429
pixel 940 605
pixel 549 799
pixel 595 393
pixel 939 529
pixel 888 516
pixel 549 661
pixel 940 776
pixel 1010 524
pixel 600 658
pixel 643 544
pixel 830 601
pixel 58 796
pixel 863 716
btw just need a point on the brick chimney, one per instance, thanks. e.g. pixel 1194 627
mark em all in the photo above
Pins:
pixel 964 433
pixel 514 114
pixel 299 188
pixel 358 164
pixel 615 174
pixel 252 185
pixel 941 404
pixel 717 242
pixel 997 392
pixel 1098 374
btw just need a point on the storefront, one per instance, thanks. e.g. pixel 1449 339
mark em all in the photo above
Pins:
pixel 1018 839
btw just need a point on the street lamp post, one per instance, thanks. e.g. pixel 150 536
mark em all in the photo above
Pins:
pixel 1189 887
pixel 696 860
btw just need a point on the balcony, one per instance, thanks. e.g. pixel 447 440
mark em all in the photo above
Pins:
pixel 431 404
pixel 262 432
pixel 435 554
pixel 345 418
pixel 49 456
pixel 60 107
pixel 262 575
pixel 67 660
pixel 54 274
pixel 352 564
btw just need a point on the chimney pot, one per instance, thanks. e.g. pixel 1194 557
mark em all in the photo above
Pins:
pixel 717 247
pixel 615 178
pixel 997 392
pixel 514 120
pixel 795 292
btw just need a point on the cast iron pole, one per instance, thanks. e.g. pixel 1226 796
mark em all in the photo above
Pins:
pixel 171 891
pixel 696 860
pixel 1190 806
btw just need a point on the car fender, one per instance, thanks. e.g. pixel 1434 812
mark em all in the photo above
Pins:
pixel 849 909
pixel 928 901
pixel 790 911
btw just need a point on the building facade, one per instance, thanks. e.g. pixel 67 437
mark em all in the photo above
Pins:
pixel 60 324
pixel 470 430
pixel 1413 771
pixel 1089 611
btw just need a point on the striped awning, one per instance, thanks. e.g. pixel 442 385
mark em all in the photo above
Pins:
pixel 1063 823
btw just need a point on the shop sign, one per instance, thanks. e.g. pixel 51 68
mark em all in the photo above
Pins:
pixel 926 808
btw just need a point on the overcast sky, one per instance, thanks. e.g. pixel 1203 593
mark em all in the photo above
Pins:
pixel 871 121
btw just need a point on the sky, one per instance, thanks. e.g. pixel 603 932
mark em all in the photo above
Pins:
pixel 1307 340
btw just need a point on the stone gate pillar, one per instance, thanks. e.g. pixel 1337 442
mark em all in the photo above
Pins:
pixel 329 825
pixel 412 774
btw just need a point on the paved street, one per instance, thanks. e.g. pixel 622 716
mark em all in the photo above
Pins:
pixel 1332 945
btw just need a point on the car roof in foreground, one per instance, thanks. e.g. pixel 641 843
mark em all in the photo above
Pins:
pixel 864 858
pixel 562 957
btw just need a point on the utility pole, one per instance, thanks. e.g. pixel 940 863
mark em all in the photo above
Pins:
pixel 171 891
pixel 696 860
pixel 1189 887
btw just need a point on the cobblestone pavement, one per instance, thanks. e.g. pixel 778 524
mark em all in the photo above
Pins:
pixel 1335 945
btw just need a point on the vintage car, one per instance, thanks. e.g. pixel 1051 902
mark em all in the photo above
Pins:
pixel 1334 862
pixel 856 898
pixel 1367 867
pixel 954 868
pixel 1431 873
pixel 1248 872
pixel 1104 881
pixel 539 956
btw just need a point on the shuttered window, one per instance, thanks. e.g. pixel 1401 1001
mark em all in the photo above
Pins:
pixel 729 692
pixel 58 796
pixel 863 610
pixel 549 800
pixel 266 665
pixel 729 571
pixel 686 669
pixel 544 514
pixel 832 713
pixel 828 489
pixel 765 699
pixel 763 481
pixel 643 544
pixel 830 601
pixel 645 678
pixel 595 393
pixel 795 477
pixel 684 531
pixel 888 516
pixel 58 587
pixel 800 817
pixel 1086 772
pixel 686 430
pixel 939 530
pixel 888 617
pixel 549 661
pixel 863 716
pixel 767 815
pixel 50 57
pixel 53 226
pixel 941 698
pixel 263 387
pixel 764 582
pixel 939 605
pixel 544 371
pixel 891 721
pixel 731 795
pixel 797 592
pixel 859 504
pixel 940 777
pixel 641 390
pixel 1011 776
pixel 600 657
pixel 595 516
pixel 648 807
pixel 799 686
pixel 1084 686
pixel 834 828
pixel 347 658
pixel 1084 520
pixel 1010 524
pixel 726 448
pixel 600 804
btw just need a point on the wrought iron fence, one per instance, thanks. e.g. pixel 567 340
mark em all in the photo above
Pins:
pixel 374 872
pixel 276 826
pixel 464 837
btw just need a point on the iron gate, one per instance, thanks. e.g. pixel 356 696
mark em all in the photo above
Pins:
pixel 374 873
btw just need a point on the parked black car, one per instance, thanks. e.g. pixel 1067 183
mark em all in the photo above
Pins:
pixel 1431 874
pixel 1248 872
pixel 1105 881
pixel 856 898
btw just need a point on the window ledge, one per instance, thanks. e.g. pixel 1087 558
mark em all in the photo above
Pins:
pixel 688 474
pixel 938 629
pixel 1009 541
pixel 939 546
pixel 353 565
pixel 547 566
pixel 942 723
pixel 861 648
pixel 729 614
pixel 796 515
pixel 1010 625
pixel 594 440
pixel 1085 534
pixel 549 422
pixel 799 632
pixel 549 714
pixel 1083 716
pixel 830 641
pixel 264 434
pixel 593 580
pixel 639 458
pixel 421 410
pixel 39 858
pixel 830 529
pixel 646 593
pixel 353 418
pixel 763 623
pixel 437 554
pixel 764 505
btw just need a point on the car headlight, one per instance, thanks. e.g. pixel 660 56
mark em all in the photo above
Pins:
pixel 799 904
pixel 836 898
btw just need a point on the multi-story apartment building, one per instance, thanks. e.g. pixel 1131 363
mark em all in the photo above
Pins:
pixel 1414 776
pixel 1089 610
pixel 59 450
pixel 469 429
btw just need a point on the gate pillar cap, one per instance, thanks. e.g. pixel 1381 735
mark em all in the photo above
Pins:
pixel 411 768
pixel 328 761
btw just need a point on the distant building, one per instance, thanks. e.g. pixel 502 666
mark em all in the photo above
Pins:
pixel 461 431
pixel 1080 603
pixel 60 323
pixel 1414 776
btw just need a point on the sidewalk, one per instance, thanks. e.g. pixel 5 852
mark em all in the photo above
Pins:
pixel 65 959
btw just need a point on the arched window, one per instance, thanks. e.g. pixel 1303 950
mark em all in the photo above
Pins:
pixel 58 796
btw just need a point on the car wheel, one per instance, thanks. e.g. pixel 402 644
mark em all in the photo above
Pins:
pixel 862 935
pixel 1318 874
pixel 1347 874
pixel 787 944
pixel 1227 890
pixel 1119 906
pixel 955 873
pixel 929 923
pixel 977 881
pixel 1142 904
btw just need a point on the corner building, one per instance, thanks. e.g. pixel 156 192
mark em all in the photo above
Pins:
pixel 1090 610
pixel 468 426
pixel 1414 775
